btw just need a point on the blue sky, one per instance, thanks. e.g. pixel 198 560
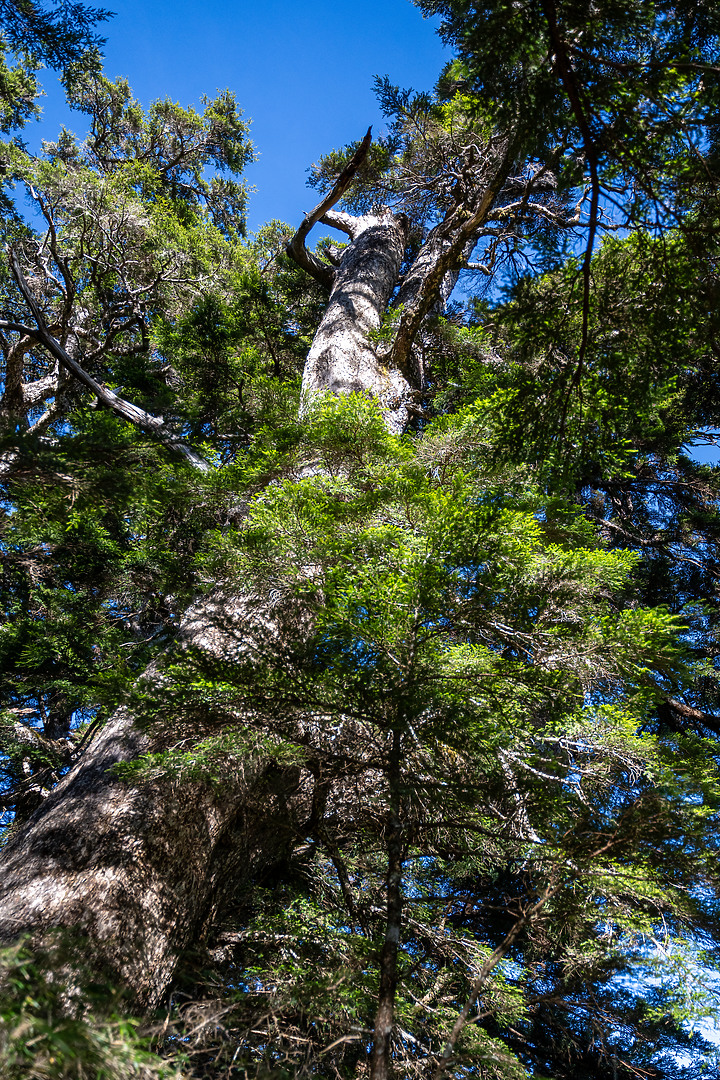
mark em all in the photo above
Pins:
pixel 302 72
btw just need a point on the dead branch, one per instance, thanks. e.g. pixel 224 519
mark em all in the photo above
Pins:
pixel 296 247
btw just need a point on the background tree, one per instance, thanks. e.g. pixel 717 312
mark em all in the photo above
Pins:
pixel 60 35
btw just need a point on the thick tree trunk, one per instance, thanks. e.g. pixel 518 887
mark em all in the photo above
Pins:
pixel 132 869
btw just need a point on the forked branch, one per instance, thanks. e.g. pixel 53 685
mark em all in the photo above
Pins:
pixel 296 247
pixel 447 247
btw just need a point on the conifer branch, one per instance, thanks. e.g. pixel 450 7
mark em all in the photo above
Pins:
pixel 153 425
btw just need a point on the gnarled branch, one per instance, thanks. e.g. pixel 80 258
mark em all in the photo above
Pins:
pixel 447 248
pixel 125 409
pixel 296 247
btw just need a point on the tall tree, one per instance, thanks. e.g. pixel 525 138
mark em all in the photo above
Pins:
pixel 431 730
pixel 60 34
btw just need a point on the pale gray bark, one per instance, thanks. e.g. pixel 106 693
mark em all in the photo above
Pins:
pixel 347 354
pixel 16 393
pixel 343 358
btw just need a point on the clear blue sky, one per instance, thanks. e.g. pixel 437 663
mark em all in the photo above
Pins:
pixel 301 71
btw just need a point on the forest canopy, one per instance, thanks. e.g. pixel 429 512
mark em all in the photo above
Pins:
pixel 359 658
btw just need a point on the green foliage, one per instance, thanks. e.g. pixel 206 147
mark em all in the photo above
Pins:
pixel 58 33
pixel 458 612
pixel 47 1033
pixel 648 349
pixel 101 534
pixel 18 90
pixel 167 151
pixel 33 34
pixel 499 631
pixel 632 90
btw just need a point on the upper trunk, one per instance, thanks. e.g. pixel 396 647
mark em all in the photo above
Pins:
pixel 343 358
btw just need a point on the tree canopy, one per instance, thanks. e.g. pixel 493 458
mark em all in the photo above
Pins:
pixel 360 708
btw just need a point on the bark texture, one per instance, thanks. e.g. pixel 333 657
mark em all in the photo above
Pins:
pixel 343 358
pixel 134 869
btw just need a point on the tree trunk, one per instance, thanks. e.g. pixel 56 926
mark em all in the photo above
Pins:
pixel 132 867
pixel 343 358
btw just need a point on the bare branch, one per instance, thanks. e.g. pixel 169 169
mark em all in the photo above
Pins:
pixel 346 223
pixel 296 248
pixel 40 389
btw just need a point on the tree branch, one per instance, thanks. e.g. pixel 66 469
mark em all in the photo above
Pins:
pixel 698 715
pixel 566 74
pixel 447 247
pixel 346 223
pixel 132 413
pixel 525 919
pixel 296 247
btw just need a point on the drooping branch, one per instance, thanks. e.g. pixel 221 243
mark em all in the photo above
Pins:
pixel 296 247
pixel 126 409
